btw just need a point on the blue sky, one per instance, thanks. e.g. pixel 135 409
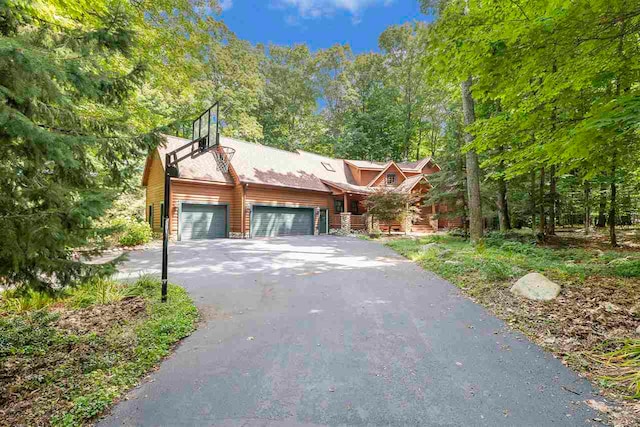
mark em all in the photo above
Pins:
pixel 318 23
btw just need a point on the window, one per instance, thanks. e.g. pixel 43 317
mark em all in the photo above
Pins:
pixel 328 166
pixel 391 179
pixel 150 219
pixel 354 207
pixel 338 206
pixel 162 215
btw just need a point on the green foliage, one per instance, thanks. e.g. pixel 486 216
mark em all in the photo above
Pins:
pixel 23 300
pixel 499 259
pixel 387 205
pixel 624 362
pixel 135 233
pixel 75 121
pixel 71 378
pixel 97 291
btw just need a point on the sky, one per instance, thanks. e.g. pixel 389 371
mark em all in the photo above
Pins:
pixel 318 23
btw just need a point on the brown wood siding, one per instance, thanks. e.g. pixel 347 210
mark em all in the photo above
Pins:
pixel 367 176
pixel 357 173
pixel 236 207
pixel 382 180
pixel 428 170
pixel 258 195
pixel 197 192
pixel 155 190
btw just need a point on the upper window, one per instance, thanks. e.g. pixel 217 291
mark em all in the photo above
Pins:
pixel 328 166
pixel 391 179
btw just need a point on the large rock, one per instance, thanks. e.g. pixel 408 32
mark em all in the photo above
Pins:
pixel 536 287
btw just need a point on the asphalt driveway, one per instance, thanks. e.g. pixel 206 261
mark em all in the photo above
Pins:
pixel 340 331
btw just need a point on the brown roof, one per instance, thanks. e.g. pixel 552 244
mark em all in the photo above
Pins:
pixel 409 183
pixel 414 166
pixel 365 164
pixel 260 164
pixel 193 165
pixel 350 188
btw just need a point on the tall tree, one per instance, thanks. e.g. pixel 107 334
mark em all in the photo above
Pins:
pixel 73 119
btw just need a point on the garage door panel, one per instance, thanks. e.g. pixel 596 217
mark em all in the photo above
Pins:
pixel 203 222
pixel 278 221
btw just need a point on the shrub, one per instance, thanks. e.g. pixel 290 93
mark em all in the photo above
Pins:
pixel 97 291
pixel 21 301
pixel 627 268
pixel 495 270
pixel 135 233
pixel 518 248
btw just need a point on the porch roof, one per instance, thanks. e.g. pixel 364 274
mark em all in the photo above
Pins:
pixel 348 188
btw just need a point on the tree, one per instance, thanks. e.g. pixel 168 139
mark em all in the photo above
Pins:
pixel 73 120
pixel 388 205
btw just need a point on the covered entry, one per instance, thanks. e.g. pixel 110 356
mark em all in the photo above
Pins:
pixel 271 221
pixel 201 221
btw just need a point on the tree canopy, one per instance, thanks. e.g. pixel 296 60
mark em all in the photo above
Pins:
pixel 532 109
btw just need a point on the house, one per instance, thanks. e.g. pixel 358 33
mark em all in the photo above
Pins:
pixel 272 192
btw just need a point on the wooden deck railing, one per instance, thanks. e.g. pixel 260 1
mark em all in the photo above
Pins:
pixel 358 222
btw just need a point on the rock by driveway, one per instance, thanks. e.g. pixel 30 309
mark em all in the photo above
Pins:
pixel 340 331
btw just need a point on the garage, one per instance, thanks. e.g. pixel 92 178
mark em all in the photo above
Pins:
pixel 201 221
pixel 270 221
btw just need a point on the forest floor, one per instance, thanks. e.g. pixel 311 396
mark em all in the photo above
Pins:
pixel 593 326
pixel 65 360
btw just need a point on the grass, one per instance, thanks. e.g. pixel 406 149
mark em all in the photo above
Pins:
pixel 66 364
pixel 592 323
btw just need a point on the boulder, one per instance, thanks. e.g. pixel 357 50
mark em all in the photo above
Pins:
pixel 536 287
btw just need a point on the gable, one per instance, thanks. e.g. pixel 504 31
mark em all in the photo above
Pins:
pixel 153 169
pixel 381 179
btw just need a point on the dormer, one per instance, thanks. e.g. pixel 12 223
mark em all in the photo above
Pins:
pixel 390 176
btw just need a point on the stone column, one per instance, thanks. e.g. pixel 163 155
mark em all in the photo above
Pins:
pixel 345 222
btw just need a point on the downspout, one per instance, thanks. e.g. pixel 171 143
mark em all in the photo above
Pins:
pixel 242 215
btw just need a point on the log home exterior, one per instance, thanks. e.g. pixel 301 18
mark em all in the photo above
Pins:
pixel 270 192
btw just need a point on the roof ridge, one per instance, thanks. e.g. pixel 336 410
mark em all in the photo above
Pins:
pixel 241 141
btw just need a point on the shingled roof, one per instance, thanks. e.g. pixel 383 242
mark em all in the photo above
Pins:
pixel 260 164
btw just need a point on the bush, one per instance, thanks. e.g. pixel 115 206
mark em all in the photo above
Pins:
pixel 494 270
pixel 97 291
pixel 135 233
pixel 627 269
pixel 21 300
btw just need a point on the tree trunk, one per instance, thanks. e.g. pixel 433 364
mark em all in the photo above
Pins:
pixel 551 226
pixel 602 216
pixel 541 196
pixel 503 208
pixel 461 185
pixel 473 167
pixel 532 200
pixel 612 208
pixel 587 207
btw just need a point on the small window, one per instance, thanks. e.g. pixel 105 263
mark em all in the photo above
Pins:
pixel 328 166
pixel 391 179
pixel 162 215
pixel 338 205
pixel 354 207
pixel 150 219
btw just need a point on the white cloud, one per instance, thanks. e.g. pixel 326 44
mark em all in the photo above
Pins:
pixel 225 4
pixel 310 9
